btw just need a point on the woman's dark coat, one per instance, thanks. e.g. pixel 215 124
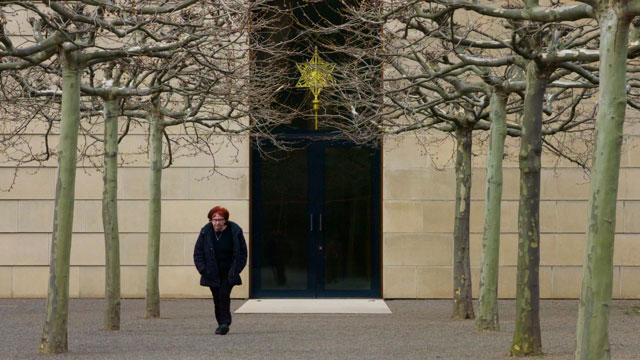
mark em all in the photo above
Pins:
pixel 205 258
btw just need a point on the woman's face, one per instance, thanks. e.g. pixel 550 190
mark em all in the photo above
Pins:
pixel 218 222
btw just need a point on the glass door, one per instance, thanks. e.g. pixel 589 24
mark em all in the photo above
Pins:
pixel 281 257
pixel 350 227
pixel 316 221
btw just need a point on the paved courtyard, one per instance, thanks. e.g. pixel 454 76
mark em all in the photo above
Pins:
pixel 417 329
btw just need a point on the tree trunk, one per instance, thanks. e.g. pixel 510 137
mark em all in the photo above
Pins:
pixel 526 337
pixel 54 334
pixel 462 300
pixel 487 319
pixel 110 216
pixel 597 272
pixel 152 308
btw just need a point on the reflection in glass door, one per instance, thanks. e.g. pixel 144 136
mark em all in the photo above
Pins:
pixel 283 203
pixel 316 222
pixel 349 219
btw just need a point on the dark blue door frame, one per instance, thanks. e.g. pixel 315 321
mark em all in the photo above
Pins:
pixel 316 236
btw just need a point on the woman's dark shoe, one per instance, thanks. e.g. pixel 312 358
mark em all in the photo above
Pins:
pixel 218 331
pixel 224 329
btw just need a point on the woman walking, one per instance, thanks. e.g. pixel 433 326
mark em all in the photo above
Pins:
pixel 220 255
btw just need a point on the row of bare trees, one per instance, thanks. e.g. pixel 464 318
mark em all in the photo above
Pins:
pixel 514 69
pixel 520 69
pixel 526 70
pixel 96 69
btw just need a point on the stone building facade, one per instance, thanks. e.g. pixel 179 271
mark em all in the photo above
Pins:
pixel 417 201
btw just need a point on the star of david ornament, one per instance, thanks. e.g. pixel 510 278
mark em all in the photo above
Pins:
pixel 315 75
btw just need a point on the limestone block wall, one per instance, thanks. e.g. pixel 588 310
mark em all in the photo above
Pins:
pixel 418 213
pixel 26 217
pixel 418 202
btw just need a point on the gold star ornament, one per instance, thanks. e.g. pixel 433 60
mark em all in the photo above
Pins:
pixel 315 75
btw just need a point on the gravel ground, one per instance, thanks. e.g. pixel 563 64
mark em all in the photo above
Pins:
pixel 417 329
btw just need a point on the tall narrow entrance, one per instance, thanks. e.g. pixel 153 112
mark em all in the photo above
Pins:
pixel 316 221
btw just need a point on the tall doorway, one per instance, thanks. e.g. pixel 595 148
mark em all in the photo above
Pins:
pixel 316 227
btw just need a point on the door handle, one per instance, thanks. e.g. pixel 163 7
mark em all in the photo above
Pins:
pixel 320 224
pixel 311 222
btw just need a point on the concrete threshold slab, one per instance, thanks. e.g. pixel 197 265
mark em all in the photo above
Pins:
pixel 314 306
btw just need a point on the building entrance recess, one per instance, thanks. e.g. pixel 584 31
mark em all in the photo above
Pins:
pixel 316 223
